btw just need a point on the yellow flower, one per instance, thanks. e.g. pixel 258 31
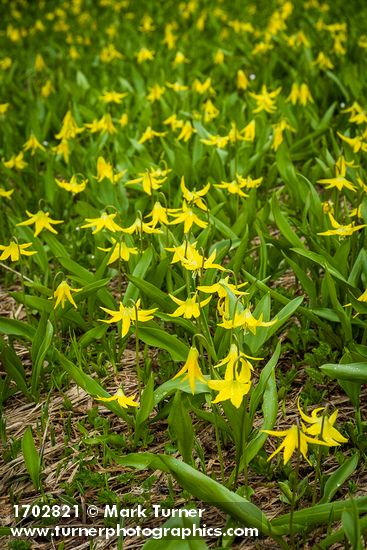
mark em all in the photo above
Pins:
pixel 232 187
pixel 127 315
pixel 113 97
pixel 150 134
pixel 121 399
pixel 305 95
pixel 105 171
pixel 363 297
pixel 300 94
pixel 242 80
pixel 109 53
pixel 140 227
pixel 179 59
pixel 246 320
pixel 155 93
pixel 63 292
pixel 355 143
pixel 278 133
pixel 174 122
pixel 177 87
pixel 4 108
pixel 169 37
pixel 14 250
pixel 202 87
pixel 216 141
pixel 294 439
pixel 188 308
pixel 249 131
pixel 341 230
pixel 147 24
pixel 105 221
pixel 33 144
pixel 187 131
pixel 362 184
pixel 69 128
pixel 322 426
pixel 232 387
pixel 16 161
pixel 5 63
pixel 124 120
pixel 151 180
pixel 192 368
pixel 248 182
pixel 120 250
pixel 159 214
pixel 221 288
pixel 218 57
pixel 104 124
pixel 41 220
pixel 261 47
pixel 265 100
pixel 188 217
pixel 191 259
pixel 339 182
pixel 6 194
pixel 194 197
pixel 323 61
pixel 63 149
pixel 73 186
pixel 210 111
pixel 144 55
pixel 237 358
pixel 39 64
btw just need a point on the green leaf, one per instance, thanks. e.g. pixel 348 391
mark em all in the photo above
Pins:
pixel 155 294
pixel 132 291
pixel 321 514
pixel 90 385
pixel 283 224
pixel 177 543
pixel 40 345
pixel 160 339
pixel 16 328
pixel 320 260
pixel 94 333
pixel 204 488
pixel 31 457
pixel 146 407
pixel 336 479
pixel 13 367
pixel 180 423
pixel 354 372
pixel 171 386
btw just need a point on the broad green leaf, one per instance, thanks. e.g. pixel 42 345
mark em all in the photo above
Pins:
pixel 14 327
pixel 354 372
pixel 180 423
pixel 160 339
pixel 320 514
pixel 283 224
pixel 171 386
pixel 132 292
pixel 204 488
pixel 146 407
pixel 336 479
pixel 31 457
pixel 178 543
pixel 40 345
pixel 13 367
pixel 90 385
